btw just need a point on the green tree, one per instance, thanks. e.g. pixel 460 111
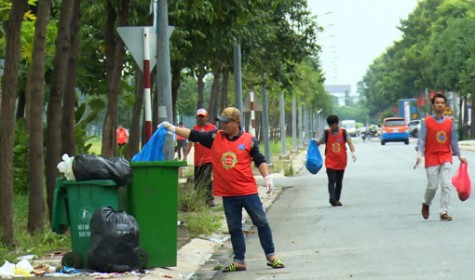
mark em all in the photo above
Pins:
pixel 35 91
pixel 9 86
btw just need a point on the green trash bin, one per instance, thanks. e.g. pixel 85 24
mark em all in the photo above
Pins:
pixel 153 201
pixel 74 204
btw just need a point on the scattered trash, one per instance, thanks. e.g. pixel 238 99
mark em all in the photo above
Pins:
pixel 66 167
pixel 7 270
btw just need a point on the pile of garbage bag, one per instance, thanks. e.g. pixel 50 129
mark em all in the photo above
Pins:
pixel 90 167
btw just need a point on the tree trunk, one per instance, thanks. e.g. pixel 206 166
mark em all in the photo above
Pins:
pixel 213 100
pixel 176 81
pixel 201 85
pixel 224 91
pixel 115 52
pixel 35 91
pixel 135 125
pixel 20 108
pixel 69 98
pixel 7 118
pixel 54 112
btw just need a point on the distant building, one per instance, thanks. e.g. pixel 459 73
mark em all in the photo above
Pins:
pixel 341 93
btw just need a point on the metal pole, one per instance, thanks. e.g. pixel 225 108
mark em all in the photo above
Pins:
pixel 165 111
pixel 147 85
pixel 300 126
pixel 265 120
pixel 305 123
pixel 294 123
pixel 253 118
pixel 237 77
pixel 282 124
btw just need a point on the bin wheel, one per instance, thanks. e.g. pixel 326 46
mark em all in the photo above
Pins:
pixel 143 257
pixel 72 259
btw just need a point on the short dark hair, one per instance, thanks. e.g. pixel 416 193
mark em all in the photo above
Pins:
pixel 332 119
pixel 438 95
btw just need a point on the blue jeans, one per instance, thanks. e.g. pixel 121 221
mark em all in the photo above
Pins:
pixel 233 210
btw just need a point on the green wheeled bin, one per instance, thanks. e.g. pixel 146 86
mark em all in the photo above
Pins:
pixel 74 204
pixel 152 198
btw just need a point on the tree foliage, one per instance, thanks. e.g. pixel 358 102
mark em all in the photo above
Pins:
pixel 436 53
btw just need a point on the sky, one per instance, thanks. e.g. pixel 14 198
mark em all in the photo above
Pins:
pixel 356 32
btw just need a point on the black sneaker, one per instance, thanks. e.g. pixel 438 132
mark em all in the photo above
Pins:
pixel 333 201
pixel 210 203
pixel 338 203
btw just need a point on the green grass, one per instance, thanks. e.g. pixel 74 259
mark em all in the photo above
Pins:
pixel 278 163
pixel 195 213
pixel 39 244
pixel 96 146
pixel 275 146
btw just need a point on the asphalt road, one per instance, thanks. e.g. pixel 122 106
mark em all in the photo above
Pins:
pixel 377 234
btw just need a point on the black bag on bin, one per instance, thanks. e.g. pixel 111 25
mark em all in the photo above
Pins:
pixel 114 242
pixel 89 167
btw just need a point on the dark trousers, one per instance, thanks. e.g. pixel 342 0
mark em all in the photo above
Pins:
pixel 335 183
pixel 180 148
pixel 203 180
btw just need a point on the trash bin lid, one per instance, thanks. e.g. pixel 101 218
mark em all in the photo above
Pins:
pixel 165 163
pixel 90 182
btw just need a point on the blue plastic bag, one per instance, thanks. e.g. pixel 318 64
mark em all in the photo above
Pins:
pixel 153 149
pixel 314 158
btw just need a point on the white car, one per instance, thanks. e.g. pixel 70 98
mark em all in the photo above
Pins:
pixel 350 126
pixel 414 127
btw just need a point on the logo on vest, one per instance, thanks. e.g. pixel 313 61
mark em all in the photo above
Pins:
pixel 229 160
pixel 336 148
pixel 441 137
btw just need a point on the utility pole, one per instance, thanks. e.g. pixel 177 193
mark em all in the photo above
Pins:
pixel 165 111
pixel 265 119
pixel 237 76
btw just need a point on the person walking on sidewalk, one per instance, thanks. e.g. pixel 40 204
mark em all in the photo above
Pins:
pixel 202 158
pixel 232 153
pixel 438 144
pixel 336 158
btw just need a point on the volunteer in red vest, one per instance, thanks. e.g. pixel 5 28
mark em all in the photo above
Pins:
pixel 438 143
pixel 202 158
pixel 336 157
pixel 232 153
pixel 122 136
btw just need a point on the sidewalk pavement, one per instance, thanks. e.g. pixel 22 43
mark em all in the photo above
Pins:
pixel 467 145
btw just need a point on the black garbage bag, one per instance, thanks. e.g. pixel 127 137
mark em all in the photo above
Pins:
pixel 114 242
pixel 90 167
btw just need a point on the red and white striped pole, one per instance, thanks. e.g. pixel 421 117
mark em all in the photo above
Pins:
pixel 253 119
pixel 147 86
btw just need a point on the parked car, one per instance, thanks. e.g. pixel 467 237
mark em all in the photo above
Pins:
pixel 394 130
pixel 414 127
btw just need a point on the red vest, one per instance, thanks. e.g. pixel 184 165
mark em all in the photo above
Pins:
pixel 180 138
pixel 232 171
pixel 202 154
pixel 121 135
pixel 437 149
pixel 335 155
